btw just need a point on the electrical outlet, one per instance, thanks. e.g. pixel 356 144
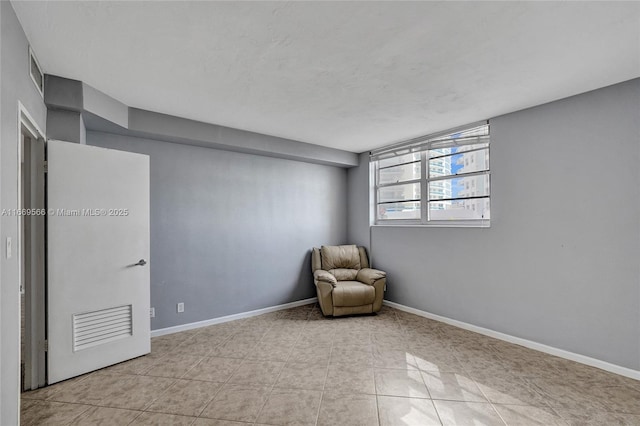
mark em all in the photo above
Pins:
pixel 152 312
pixel 180 307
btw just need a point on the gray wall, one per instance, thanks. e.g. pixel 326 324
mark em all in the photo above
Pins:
pixel 358 211
pixel 148 124
pixel 66 126
pixel 559 265
pixel 231 232
pixel 16 85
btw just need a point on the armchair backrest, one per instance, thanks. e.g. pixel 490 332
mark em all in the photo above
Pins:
pixel 339 257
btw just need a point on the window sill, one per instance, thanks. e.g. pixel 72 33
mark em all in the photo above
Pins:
pixel 435 224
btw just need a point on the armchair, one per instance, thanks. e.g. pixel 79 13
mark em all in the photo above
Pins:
pixel 344 281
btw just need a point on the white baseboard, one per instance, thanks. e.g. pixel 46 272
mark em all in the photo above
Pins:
pixel 219 320
pixel 603 365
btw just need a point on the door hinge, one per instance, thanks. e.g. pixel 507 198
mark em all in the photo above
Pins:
pixel 45 166
pixel 45 345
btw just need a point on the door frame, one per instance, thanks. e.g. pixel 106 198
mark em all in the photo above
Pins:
pixel 35 314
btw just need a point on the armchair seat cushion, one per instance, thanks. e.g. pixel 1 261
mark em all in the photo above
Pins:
pixel 353 293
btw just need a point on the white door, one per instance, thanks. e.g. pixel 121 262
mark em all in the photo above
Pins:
pixel 97 249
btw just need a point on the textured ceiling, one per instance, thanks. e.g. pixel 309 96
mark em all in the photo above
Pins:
pixel 349 75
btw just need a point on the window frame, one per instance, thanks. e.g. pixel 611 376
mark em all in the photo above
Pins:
pixel 423 146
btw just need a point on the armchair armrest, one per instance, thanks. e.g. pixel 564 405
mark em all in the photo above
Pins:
pixel 370 276
pixel 322 275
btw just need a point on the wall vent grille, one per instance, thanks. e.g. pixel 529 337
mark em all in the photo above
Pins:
pixel 37 76
pixel 103 326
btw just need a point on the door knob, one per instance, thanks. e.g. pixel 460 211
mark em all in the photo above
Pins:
pixel 141 262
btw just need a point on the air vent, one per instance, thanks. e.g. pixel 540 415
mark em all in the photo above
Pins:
pixel 36 72
pixel 100 327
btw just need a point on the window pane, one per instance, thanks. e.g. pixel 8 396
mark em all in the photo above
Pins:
pixel 414 156
pixel 399 173
pixel 460 187
pixel 478 142
pixel 409 191
pixel 473 209
pixel 436 152
pixel 409 210
pixel 459 162
pixel 440 167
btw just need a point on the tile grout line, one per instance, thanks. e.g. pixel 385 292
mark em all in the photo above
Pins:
pixel 240 366
pixel 182 377
pixel 219 389
pixel 276 380
pixel 324 385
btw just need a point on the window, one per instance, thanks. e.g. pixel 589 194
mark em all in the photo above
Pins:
pixel 440 179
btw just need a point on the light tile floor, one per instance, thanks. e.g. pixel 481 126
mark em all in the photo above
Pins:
pixel 294 367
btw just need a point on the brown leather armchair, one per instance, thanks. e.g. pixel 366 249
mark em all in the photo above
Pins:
pixel 344 282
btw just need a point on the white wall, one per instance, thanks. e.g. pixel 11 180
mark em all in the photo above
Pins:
pixel 16 85
pixel 559 265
